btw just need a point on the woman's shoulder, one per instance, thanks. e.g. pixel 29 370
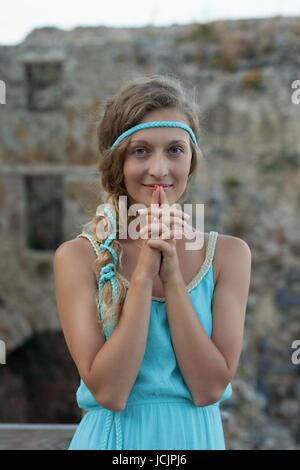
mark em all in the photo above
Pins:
pixel 231 243
pixel 75 244
pixel 79 253
pixel 76 248
pixel 226 248
pixel 221 236
pixel 230 249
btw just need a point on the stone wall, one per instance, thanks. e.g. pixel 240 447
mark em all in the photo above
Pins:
pixel 241 74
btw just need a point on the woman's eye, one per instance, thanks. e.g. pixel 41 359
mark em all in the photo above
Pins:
pixel 142 151
pixel 176 148
pixel 139 151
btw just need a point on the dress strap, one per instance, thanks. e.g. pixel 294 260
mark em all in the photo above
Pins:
pixel 107 273
pixel 212 238
pixel 92 240
pixel 210 249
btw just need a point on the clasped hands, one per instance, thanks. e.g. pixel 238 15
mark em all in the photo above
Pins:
pixel 167 222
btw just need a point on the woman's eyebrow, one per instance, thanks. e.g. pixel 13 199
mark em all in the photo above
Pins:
pixel 176 141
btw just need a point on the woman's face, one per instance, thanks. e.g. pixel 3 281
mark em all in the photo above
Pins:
pixel 159 155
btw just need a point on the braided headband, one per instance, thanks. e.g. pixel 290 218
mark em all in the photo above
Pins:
pixel 145 125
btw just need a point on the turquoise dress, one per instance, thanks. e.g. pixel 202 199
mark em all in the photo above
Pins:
pixel 160 413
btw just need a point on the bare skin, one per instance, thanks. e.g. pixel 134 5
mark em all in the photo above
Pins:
pixel 208 363
pixel 190 262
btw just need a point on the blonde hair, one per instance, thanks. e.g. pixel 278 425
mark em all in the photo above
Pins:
pixel 124 110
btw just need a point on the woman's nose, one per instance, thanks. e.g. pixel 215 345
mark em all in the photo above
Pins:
pixel 158 164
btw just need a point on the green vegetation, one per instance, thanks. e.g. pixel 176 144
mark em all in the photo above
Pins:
pixel 231 183
pixel 252 79
pixel 281 161
pixel 198 33
pixel 215 61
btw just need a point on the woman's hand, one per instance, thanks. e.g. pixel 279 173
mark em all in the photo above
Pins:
pixel 173 225
pixel 149 259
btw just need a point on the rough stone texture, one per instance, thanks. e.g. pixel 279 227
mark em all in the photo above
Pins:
pixel 36 437
pixel 241 74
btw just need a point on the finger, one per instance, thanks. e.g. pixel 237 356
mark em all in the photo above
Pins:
pixel 163 196
pixel 154 200
pixel 171 210
pixel 159 198
pixel 145 213
pixel 166 219
pixel 169 219
pixel 150 230
pixel 164 203
pixel 175 234
pixel 164 215
pixel 156 228
pixel 160 245
pixel 155 203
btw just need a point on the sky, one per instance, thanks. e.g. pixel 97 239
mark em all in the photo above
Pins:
pixel 19 17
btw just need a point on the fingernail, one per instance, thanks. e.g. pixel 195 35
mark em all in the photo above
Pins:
pixel 155 187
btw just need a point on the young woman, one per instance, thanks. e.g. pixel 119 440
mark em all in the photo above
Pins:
pixel 155 328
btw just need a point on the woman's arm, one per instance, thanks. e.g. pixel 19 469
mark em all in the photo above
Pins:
pixel 209 364
pixel 108 368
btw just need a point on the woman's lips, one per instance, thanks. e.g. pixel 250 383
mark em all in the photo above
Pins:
pixel 166 188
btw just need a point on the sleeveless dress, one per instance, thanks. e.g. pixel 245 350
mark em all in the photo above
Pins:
pixel 160 413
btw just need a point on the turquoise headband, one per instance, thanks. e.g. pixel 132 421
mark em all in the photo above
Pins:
pixel 145 125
